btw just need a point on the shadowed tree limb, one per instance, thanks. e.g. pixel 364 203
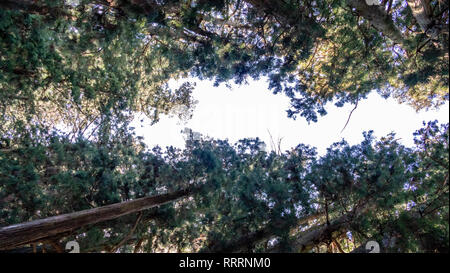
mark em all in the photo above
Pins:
pixel 380 20
pixel 263 234
pixel 24 233
pixel 349 116
pixel 124 240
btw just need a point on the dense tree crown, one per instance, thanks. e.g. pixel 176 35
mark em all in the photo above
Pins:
pixel 74 74
pixel 249 200
pixel 77 61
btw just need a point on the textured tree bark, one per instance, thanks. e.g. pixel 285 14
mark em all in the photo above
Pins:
pixel 311 238
pixel 379 19
pixel 421 10
pixel 20 234
pixel 265 233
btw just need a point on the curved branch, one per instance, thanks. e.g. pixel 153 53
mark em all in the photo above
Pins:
pixel 349 116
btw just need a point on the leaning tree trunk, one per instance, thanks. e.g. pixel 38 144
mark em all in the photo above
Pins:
pixel 379 19
pixel 24 233
pixel 307 240
pixel 253 238
pixel 311 238
pixel 421 9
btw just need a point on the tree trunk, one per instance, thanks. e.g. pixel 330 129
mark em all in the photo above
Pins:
pixel 263 234
pixel 321 234
pixel 311 238
pixel 421 10
pixel 23 233
pixel 379 19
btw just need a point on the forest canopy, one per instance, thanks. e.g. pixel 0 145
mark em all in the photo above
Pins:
pixel 75 73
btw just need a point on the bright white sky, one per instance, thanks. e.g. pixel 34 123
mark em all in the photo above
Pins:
pixel 252 111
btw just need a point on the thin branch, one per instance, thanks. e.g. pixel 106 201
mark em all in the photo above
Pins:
pixel 279 144
pixel 124 240
pixel 349 116
pixel 271 140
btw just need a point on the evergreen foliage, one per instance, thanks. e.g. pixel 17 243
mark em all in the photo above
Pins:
pixel 247 191
pixel 75 73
